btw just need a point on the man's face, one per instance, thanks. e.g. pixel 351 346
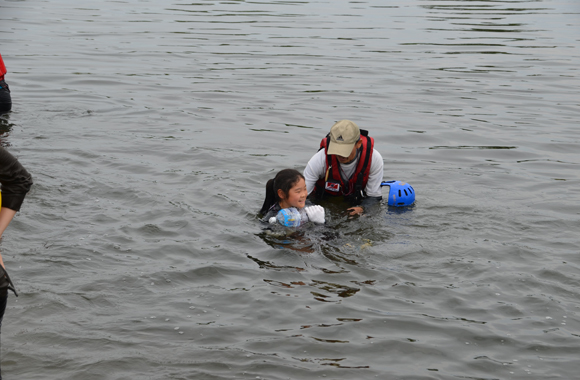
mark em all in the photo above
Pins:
pixel 344 160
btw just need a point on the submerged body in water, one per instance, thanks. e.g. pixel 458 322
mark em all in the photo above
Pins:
pixel 5 98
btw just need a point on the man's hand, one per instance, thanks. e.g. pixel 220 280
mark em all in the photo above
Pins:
pixel 357 210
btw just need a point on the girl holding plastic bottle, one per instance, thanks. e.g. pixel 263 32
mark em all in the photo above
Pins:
pixel 285 201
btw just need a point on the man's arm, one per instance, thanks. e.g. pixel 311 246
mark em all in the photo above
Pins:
pixel 315 169
pixel 6 216
pixel 373 189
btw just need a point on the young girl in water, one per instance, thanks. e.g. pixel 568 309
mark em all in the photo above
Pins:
pixel 286 194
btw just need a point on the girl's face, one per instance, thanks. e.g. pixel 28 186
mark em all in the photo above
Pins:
pixel 296 197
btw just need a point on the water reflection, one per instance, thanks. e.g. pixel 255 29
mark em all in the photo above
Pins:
pixel 492 7
pixel 308 242
pixel 342 245
pixel 325 291
pixel 473 147
pixel 482 27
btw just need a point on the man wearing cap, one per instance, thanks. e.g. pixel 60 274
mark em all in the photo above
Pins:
pixel 346 165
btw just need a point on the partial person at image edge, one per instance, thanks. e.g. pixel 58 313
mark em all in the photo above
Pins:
pixel 346 165
pixel 5 99
pixel 16 182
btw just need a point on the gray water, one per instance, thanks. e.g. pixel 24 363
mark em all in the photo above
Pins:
pixel 151 127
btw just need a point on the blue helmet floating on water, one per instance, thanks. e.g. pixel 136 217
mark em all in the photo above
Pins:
pixel 400 193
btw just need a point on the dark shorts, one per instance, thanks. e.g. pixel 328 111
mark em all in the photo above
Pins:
pixel 2 309
pixel 5 99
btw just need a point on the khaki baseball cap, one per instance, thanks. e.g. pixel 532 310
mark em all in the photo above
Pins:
pixel 343 135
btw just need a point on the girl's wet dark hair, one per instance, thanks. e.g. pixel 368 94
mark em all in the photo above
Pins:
pixel 284 180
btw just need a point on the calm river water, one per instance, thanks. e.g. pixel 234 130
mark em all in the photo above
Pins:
pixel 151 128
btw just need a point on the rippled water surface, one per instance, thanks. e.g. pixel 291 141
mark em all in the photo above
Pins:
pixel 151 128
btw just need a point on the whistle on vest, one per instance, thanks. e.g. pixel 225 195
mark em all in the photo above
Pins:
pixel 331 185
